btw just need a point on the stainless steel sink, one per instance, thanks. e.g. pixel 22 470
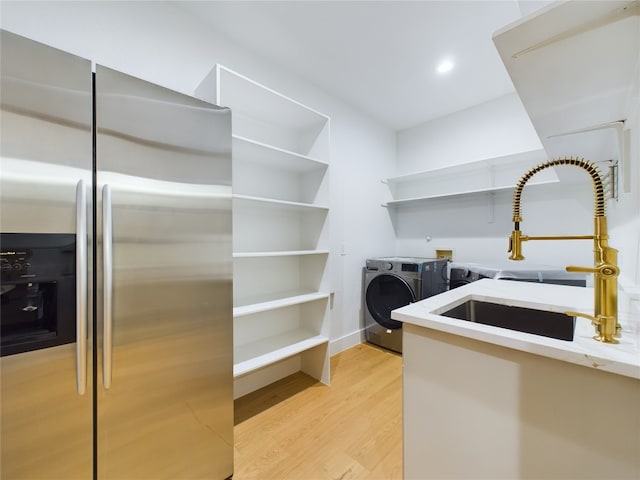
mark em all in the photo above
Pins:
pixel 528 320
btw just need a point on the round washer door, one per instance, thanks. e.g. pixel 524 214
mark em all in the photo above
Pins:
pixel 385 293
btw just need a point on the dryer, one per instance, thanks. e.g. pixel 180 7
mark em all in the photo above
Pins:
pixel 393 282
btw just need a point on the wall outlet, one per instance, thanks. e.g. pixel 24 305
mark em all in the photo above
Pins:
pixel 444 254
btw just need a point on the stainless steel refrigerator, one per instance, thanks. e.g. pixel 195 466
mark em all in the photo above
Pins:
pixel 116 314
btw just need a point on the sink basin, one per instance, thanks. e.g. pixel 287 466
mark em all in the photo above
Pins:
pixel 528 320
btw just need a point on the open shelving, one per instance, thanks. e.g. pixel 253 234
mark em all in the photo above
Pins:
pixel 281 222
pixel 480 176
pixel 260 354
pixel 575 67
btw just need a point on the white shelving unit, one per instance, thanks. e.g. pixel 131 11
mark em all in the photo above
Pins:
pixel 575 67
pixel 280 231
pixel 481 176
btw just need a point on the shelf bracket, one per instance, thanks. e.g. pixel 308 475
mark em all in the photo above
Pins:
pixel 612 165
pixel 491 207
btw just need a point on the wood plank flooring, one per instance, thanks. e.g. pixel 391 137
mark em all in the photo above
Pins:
pixel 301 429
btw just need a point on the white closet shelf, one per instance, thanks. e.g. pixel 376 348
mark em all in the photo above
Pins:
pixel 574 65
pixel 261 102
pixel 270 202
pixel 486 164
pixel 415 200
pixel 262 353
pixel 281 150
pixel 280 253
pixel 265 304
pixel 249 150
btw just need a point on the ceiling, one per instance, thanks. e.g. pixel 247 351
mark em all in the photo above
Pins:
pixel 379 56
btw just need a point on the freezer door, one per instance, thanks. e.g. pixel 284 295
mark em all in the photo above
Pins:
pixel 45 200
pixel 165 368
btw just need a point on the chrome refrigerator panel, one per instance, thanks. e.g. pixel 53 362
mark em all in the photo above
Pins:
pixel 165 385
pixel 45 151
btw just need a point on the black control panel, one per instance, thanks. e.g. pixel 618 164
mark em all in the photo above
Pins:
pixel 34 256
pixel 410 267
pixel 37 291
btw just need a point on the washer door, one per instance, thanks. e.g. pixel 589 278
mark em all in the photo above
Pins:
pixel 385 293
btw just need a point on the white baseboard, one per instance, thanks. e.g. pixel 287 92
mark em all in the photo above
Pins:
pixel 343 343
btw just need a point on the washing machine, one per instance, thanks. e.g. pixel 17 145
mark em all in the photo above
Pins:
pixel 393 282
pixel 463 273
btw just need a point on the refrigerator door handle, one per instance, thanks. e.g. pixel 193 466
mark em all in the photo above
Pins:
pixel 81 287
pixel 107 285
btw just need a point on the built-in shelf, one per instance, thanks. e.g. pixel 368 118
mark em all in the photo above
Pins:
pixel 279 253
pixel 575 66
pixel 263 103
pixel 280 221
pixel 279 204
pixel 262 305
pixel 262 153
pixel 265 352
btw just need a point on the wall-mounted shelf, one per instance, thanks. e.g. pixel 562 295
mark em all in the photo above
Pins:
pixel 575 67
pixel 280 221
pixel 477 177
pixel 418 200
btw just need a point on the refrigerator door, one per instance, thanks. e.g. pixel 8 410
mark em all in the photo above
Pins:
pixel 165 368
pixel 45 199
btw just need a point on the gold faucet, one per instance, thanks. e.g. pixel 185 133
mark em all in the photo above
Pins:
pixel 605 269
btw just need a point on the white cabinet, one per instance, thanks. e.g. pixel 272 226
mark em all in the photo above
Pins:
pixel 482 176
pixel 280 231
pixel 575 66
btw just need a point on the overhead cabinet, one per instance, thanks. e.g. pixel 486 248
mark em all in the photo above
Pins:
pixel 280 231
pixel 575 67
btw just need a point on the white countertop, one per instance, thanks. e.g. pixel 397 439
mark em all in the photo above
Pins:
pixel 622 358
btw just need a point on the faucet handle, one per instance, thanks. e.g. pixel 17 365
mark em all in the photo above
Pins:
pixel 606 270
pixel 574 269
pixel 606 326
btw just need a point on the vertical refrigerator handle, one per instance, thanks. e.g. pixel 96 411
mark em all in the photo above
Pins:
pixel 81 287
pixel 107 285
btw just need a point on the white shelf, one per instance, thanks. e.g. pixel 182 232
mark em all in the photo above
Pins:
pixel 263 305
pixel 575 67
pixel 279 204
pixel 481 176
pixel 281 212
pixel 284 253
pixel 266 116
pixel 253 151
pixel 265 352
pixel 485 164
pixel 415 200
pixel 245 95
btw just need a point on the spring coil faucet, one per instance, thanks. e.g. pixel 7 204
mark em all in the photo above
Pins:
pixel 605 269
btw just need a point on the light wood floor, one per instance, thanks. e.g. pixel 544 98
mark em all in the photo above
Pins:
pixel 301 429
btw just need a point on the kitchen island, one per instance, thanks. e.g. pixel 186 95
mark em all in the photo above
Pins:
pixel 488 402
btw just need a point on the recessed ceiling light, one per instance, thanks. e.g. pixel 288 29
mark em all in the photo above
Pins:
pixel 444 66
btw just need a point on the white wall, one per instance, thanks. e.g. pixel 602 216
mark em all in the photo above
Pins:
pixel 492 129
pixel 162 44
pixel 477 226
